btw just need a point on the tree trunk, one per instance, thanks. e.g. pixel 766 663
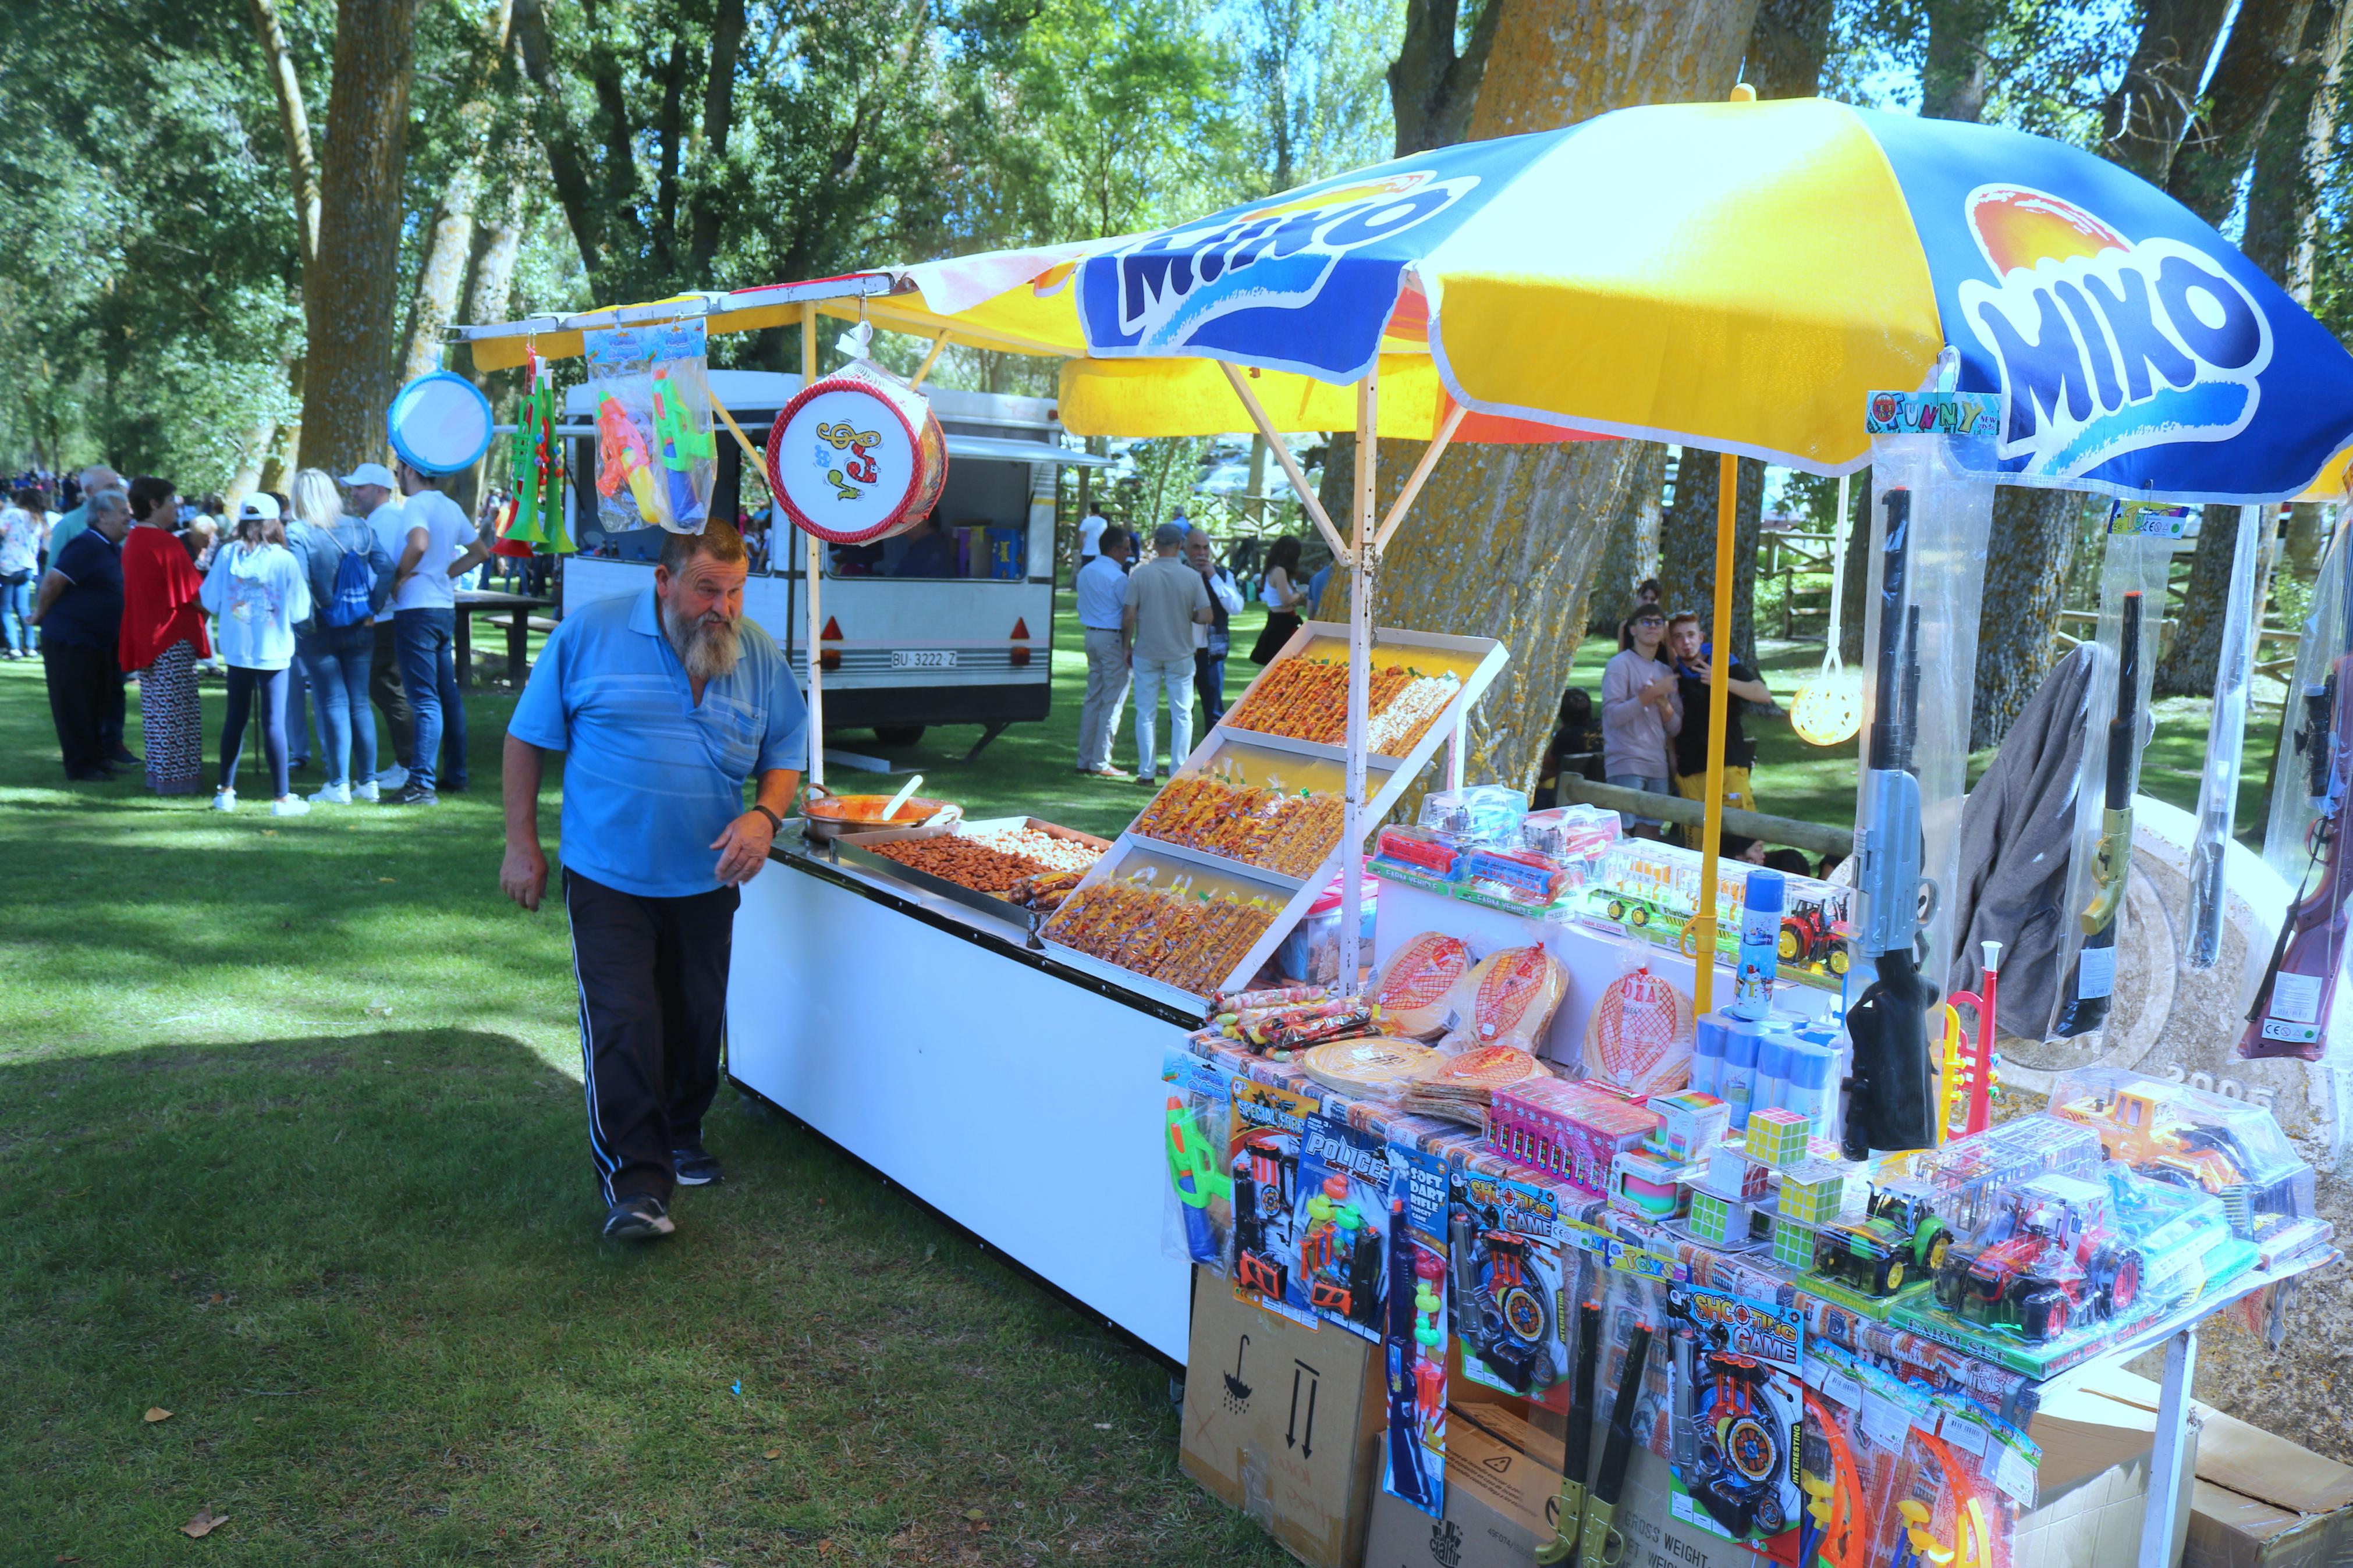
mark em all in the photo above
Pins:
pixel 670 134
pixel 350 298
pixel 294 121
pixel 1503 540
pixel 2188 666
pixel 557 137
pixel 2249 80
pixel 1687 547
pixel 489 289
pixel 1957 73
pixel 2145 117
pixel 2292 161
pixel 1787 46
pixel 718 114
pixel 613 109
pixel 1855 586
pixel 2026 556
pixel 440 274
pixel 1631 552
pixel 1431 88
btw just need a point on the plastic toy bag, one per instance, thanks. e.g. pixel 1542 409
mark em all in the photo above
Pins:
pixel 1929 521
pixel 1194 1134
pixel 1483 814
pixel 2140 540
pixel 656 461
pixel 2218 787
pixel 2305 841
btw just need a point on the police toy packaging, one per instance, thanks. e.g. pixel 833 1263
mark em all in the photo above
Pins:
pixel 1194 1136
pixel 1413 1341
pixel 1737 1413
pixel 1263 1164
pixel 1343 1222
pixel 1511 1270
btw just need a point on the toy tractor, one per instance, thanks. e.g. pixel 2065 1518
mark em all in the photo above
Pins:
pixel 2051 1257
pixel 1811 938
pixel 2140 1127
pixel 1898 1234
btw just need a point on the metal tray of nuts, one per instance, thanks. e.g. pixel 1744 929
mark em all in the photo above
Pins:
pixel 856 848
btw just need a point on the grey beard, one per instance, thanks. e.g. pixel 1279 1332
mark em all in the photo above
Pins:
pixel 709 647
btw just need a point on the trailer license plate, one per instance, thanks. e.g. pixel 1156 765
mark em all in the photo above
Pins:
pixel 923 659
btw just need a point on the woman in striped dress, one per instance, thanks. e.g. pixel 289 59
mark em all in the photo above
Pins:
pixel 163 637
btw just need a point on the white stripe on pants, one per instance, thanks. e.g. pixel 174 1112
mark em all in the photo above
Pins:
pixel 1151 676
pixel 1107 679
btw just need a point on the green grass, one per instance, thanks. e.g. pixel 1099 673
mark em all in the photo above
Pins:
pixel 292 1145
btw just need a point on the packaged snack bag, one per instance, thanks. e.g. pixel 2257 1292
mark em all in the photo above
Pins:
pixel 1416 990
pixel 1507 999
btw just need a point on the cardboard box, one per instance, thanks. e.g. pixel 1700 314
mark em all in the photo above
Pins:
pixel 2259 1500
pixel 1499 1509
pixel 1284 1423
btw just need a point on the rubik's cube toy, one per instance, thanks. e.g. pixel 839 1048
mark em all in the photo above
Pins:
pixel 1778 1137
pixel 1814 1194
pixel 1793 1244
pixel 1731 1171
pixel 1717 1220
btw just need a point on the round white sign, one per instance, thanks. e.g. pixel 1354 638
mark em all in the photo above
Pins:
pixel 853 463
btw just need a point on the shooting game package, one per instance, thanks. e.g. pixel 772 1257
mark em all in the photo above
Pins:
pixel 2140 540
pixel 1514 1267
pixel 1413 1349
pixel 1198 1116
pixel 1929 521
pixel 1264 1163
pixel 656 460
pixel 1738 1406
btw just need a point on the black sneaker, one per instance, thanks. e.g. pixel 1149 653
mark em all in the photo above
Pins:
pixel 639 1218
pixel 415 793
pixel 695 1166
pixel 122 757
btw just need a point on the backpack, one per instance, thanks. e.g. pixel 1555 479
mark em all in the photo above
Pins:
pixel 353 600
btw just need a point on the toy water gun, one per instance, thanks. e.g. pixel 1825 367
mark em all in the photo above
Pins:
pixel 1194 1177
pixel 622 459
pixel 1891 1106
pixel 1577 1446
pixel 1599 1545
pixel 2290 1014
pixel 2095 962
pixel 682 446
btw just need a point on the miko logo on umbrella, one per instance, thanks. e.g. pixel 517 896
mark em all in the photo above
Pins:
pixel 1278 254
pixel 2106 346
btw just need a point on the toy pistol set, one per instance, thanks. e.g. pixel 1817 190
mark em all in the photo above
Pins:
pixel 1413 1347
pixel 1263 1164
pixel 1512 1268
pixel 1343 1224
pixel 1737 1411
pixel 657 462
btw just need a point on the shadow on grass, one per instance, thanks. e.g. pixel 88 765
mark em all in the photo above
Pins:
pixel 361 1273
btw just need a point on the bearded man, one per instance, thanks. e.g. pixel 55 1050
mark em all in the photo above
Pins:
pixel 665 704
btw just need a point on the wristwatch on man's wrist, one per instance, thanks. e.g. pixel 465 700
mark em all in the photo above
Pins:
pixel 774 822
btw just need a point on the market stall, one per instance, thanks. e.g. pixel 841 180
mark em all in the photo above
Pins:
pixel 1584 1071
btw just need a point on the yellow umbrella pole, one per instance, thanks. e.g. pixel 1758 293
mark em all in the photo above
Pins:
pixel 1727 507
pixel 813 573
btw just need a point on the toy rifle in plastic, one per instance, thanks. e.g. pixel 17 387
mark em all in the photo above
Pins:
pixel 622 459
pixel 1599 1545
pixel 1890 1106
pixel 1576 1445
pixel 2290 1016
pixel 1407 1479
pixel 682 446
pixel 2095 960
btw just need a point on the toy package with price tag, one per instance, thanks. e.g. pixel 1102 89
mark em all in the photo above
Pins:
pixel 1196 1126
pixel 1513 1267
pixel 1343 1224
pixel 656 460
pixel 1263 1161
pixel 1737 1410
pixel 2140 541
pixel 1413 1340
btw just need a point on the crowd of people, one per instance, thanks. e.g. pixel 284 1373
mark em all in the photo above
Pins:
pixel 1159 627
pixel 346 590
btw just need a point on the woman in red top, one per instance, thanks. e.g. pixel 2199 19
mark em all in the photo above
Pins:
pixel 163 637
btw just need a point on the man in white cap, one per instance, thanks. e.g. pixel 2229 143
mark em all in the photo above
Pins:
pixel 370 496
pixel 440 545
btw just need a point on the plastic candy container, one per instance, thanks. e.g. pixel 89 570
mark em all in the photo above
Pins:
pixel 1483 814
pixel 1569 832
pixel 2172 1132
pixel 1418 851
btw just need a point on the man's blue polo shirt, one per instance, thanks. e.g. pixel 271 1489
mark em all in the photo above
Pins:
pixel 650 778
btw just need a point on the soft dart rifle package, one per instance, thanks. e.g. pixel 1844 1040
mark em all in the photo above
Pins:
pixel 2140 540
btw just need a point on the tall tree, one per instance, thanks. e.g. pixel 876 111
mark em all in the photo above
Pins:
pixel 2143 119
pixel 1786 48
pixel 1687 545
pixel 2251 75
pixel 1956 68
pixel 449 233
pixel 350 296
pixel 1433 82
pixel 1630 551
pixel 1503 541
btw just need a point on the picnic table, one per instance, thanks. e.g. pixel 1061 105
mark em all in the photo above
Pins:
pixel 473 601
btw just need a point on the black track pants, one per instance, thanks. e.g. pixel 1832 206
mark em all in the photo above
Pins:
pixel 653 1020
